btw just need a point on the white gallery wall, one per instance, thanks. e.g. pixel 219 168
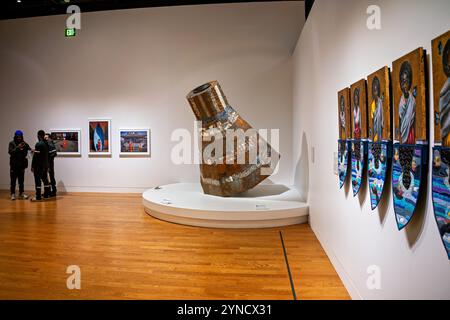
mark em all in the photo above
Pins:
pixel 135 67
pixel 336 49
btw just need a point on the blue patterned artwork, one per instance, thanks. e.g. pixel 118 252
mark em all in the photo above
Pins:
pixel 410 134
pixel 344 134
pixel 441 194
pixel 99 137
pixel 358 92
pixel 358 151
pixel 378 161
pixel 406 176
pixel 342 161
pixel 380 136
pixel 441 151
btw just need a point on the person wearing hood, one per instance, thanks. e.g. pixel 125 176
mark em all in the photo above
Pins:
pixel 18 162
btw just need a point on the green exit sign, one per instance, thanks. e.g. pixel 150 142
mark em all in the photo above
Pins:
pixel 70 32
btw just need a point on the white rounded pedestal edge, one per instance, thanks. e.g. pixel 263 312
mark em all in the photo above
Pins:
pixel 265 206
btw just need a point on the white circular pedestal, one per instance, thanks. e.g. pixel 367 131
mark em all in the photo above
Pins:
pixel 262 207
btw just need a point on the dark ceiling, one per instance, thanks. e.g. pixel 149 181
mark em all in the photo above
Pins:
pixel 11 9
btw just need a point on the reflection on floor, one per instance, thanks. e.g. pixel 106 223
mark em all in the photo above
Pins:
pixel 125 254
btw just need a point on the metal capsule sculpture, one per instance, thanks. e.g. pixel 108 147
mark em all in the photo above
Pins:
pixel 380 139
pixel 235 158
pixel 358 99
pixel 441 149
pixel 410 135
pixel 344 143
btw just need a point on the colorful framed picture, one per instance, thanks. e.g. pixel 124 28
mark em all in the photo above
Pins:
pixel 99 137
pixel 358 102
pixel 408 83
pixel 344 124
pixel 380 144
pixel 441 89
pixel 134 142
pixel 441 150
pixel 345 130
pixel 410 134
pixel 379 106
pixel 67 141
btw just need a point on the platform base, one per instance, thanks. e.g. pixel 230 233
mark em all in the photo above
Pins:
pixel 264 206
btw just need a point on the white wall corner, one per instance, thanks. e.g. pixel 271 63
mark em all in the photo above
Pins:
pixel 338 266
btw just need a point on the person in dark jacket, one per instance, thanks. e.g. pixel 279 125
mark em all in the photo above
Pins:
pixel 18 162
pixel 39 167
pixel 51 163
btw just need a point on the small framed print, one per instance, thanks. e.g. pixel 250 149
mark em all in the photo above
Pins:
pixel 99 137
pixel 134 142
pixel 67 141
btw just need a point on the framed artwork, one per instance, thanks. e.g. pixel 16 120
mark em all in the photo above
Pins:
pixel 441 89
pixel 134 142
pixel 379 132
pixel 344 123
pixel 358 100
pixel 345 130
pixel 67 141
pixel 379 106
pixel 410 133
pixel 99 137
pixel 441 150
pixel 410 114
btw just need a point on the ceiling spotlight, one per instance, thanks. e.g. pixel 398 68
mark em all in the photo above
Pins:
pixel 19 1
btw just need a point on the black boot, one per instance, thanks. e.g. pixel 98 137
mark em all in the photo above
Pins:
pixel 47 192
pixel 37 197
pixel 53 193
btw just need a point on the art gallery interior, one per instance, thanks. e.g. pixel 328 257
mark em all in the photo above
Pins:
pixel 140 215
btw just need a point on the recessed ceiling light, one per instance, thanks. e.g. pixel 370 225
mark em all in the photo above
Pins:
pixel 19 1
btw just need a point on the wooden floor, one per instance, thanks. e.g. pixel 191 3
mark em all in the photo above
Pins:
pixel 125 254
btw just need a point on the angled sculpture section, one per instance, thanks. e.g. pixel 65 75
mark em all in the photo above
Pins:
pixel 234 156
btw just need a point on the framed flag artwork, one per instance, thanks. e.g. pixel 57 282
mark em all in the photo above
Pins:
pixel 100 137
